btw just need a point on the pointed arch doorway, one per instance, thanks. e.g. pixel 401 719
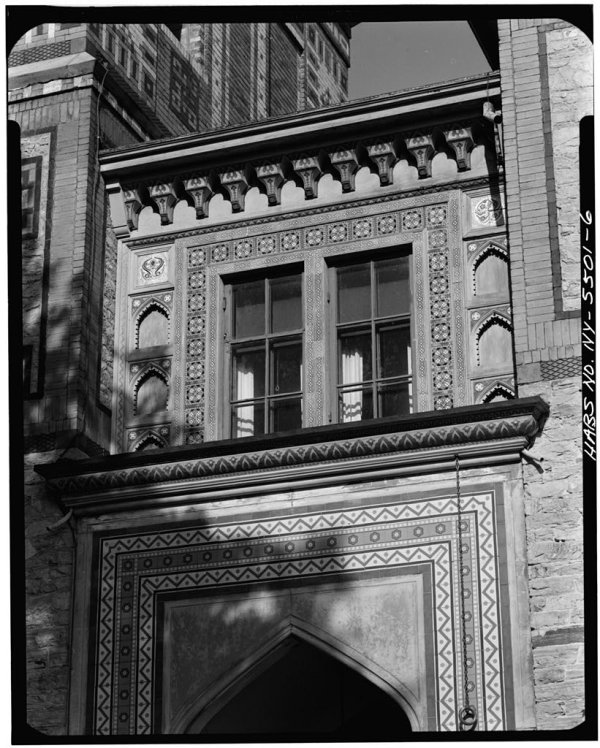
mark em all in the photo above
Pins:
pixel 302 692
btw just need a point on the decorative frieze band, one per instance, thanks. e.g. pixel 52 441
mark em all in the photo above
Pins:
pixel 341 161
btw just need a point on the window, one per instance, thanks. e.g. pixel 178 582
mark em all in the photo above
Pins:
pixel 39 30
pixel 30 195
pixel 373 339
pixel 311 34
pixel 150 59
pixel 123 56
pixel 149 33
pixel 148 85
pixel 134 68
pixel 266 324
pixel 110 41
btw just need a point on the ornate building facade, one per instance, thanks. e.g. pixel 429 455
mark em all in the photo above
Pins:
pixel 332 347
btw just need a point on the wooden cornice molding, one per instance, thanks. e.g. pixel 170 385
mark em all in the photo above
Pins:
pixel 412 109
pixel 420 442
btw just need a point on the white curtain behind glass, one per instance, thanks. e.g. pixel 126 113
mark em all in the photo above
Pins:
pixel 244 422
pixel 352 371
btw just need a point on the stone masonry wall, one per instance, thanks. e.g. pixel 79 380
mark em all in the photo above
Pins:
pixel 49 570
pixel 547 335
pixel 570 83
pixel 554 523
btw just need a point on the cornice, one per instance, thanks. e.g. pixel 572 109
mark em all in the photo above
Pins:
pixel 233 223
pixel 496 432
pixel 412 108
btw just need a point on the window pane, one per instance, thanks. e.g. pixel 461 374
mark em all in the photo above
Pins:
pixel 355 405
pixel 354 293
pixel 249 309
pixel 394 351
pixel 393 292
pixel 248 374
pixel 287 368
pixel 286 304
pixel 248 420
pixel 355 363
pixel 286 414
pixel 395 399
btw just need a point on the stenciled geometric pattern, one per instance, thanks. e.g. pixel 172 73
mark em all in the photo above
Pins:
pixel 196 346
pixel 440 308
pixel 511 425
pixel 134 569
pixel 417 223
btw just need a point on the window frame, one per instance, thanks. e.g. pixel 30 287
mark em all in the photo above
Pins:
pixel 34 210
pixel 333 343
pixel 268 341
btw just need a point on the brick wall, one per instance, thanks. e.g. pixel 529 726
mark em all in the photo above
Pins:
pixel 547 336
pixel 239 68
pixel 284 59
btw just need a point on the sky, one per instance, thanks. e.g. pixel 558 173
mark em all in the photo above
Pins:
pixel 392 56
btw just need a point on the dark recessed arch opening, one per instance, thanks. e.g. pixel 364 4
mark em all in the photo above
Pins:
pixel 306 694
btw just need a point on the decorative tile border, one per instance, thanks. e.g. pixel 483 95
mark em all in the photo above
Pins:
pixel 413 221
pixel 135 568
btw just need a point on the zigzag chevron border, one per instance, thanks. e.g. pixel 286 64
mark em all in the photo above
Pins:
pixel 135 567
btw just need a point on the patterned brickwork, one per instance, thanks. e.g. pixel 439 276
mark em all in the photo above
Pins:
pixel 563 367
pixel 39 53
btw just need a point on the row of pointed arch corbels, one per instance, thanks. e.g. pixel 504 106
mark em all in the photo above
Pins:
pixel 305 169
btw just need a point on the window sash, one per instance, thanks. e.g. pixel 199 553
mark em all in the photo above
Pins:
pixel 372 384
pixel 251 414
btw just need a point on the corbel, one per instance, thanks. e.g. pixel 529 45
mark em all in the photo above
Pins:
pixel 309 171
pixel 235 185
pixel 165 198
pixel 460 139
pixel 201 192
pixel 271 176
pixel 420 146
pixel 383 156
pixel 346 164
pixel 133 206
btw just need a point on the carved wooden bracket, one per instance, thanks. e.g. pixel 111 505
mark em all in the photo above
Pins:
pixel 309 171
pixel 201 192
pixel 133 206
pixel 272 178
pixel 346 164
pixel 421 147
pixel 165 198
pixel 384 157
pixel 460 139
pixel 236 185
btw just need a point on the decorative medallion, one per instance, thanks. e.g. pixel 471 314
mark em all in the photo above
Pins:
pixel 338 232
pixel 487 211
pixel 436 215
pixel 152 268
